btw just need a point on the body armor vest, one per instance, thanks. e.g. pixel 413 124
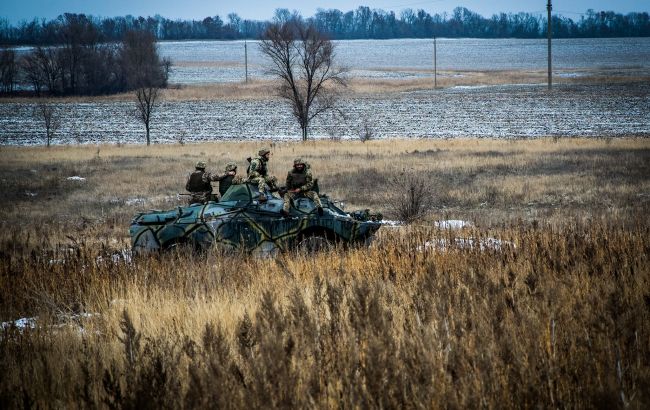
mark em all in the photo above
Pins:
pixel 197 184
pixel 298 179
pixel 225 183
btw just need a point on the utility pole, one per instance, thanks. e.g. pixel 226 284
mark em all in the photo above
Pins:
pixel 246 58
pixel 549 7
pixel 435 64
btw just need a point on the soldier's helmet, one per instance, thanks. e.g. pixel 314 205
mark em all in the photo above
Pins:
pixel 200 165
pixel 262 152
pixel 298 161
pixel 231 166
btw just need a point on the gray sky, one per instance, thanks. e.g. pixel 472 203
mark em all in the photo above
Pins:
pixel 17 10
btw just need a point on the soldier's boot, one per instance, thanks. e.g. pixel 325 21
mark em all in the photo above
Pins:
pixel 320 211
pixel 284 213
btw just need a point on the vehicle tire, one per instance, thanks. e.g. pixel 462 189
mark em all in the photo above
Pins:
pixel 314 243
pixel 183 247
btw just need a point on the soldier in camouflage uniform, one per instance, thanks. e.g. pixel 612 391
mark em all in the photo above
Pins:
pixel 227 178
pixel 300 181
pixel 199 184
pixel 258 173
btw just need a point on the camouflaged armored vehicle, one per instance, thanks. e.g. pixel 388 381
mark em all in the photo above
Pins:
pixel 241 221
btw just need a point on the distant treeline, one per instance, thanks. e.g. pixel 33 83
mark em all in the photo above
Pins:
pixel 81 63
pixel 362 23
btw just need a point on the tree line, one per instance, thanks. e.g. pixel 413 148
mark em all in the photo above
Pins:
pixel 362 23
pixel 83 63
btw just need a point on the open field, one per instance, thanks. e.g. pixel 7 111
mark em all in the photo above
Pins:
pixel 556 315
pixel 196 114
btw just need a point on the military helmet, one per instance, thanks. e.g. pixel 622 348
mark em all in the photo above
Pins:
pixel 231 166
pixel 200 165
pixel 262 152
pixel 298 161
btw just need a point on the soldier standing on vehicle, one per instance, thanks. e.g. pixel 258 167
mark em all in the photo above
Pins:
pixel 199 186
pixel 258 173
pixel 300 181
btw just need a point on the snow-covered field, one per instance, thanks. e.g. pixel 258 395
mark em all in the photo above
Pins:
pixel 223 61
pixel 511 111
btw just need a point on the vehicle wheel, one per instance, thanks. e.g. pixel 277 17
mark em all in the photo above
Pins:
pixel 312 244
pixel 184 247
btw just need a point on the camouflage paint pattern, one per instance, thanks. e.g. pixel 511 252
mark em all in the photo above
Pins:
pixel 240 221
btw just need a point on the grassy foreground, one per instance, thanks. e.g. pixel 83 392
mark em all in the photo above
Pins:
pixel 553 310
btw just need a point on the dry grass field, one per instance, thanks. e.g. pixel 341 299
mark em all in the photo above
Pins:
pixel 555 312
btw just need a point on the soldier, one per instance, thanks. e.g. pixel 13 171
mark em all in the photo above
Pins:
pixel 258 173
pixel 300 181
pixel 227 178
pixel 198 184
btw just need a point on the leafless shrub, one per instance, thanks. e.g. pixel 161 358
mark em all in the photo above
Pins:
pixel 366 132
pixel 411 195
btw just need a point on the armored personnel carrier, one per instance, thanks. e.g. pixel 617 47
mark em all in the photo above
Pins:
pixel 241 221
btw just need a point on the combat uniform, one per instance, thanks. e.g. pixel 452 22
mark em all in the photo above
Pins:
pixel 198 184
pixel 258 173
pixel 303 180
pixel 225 180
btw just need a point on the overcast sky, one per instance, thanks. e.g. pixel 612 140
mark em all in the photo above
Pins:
pixel 17 10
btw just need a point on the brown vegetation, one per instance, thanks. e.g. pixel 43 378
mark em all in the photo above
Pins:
pixel 557 315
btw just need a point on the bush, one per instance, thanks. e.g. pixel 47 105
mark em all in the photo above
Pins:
pixel 411 195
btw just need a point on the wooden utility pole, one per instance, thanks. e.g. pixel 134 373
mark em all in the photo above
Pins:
pixel 246 59
pixel 549 7
pixel 435 64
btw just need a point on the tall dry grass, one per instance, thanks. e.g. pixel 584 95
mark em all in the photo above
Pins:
pixel 556 315
pixel 560 319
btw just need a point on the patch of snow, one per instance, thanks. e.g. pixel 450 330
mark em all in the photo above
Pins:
pixel 117 257
pixel 388 222
pixel 32 194
pixel 76 178
pixel 452 224
pixel 135 201
pixel 22 323
pixel 570 75
pixel 482 244
pixel 72 320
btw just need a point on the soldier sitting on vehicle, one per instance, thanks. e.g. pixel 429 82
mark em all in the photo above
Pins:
pixel 227 178
pixel 199 186
pixel 300 181
pixel 258 174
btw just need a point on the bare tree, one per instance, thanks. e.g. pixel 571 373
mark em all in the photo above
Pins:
pixel 303 60
pixel 145 72
pixel 146 102
pixel 48 114
pixel 8 69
